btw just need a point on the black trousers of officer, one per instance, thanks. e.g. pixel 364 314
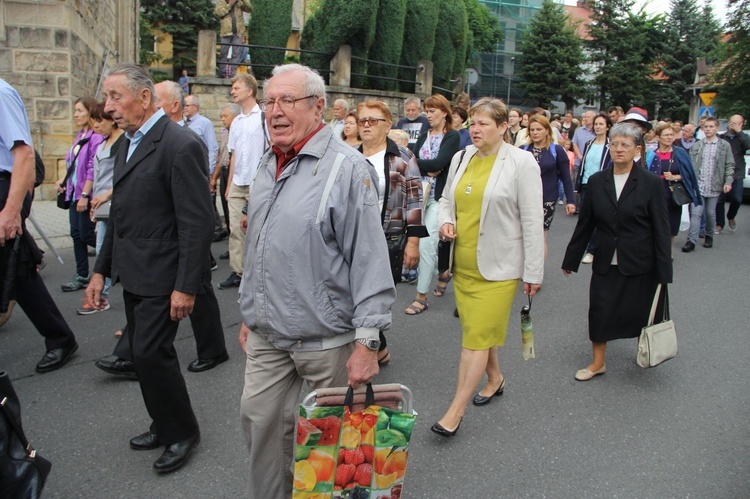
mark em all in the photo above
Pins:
pixel 31 292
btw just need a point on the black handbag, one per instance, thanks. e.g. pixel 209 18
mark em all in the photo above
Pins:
pixel 680 194
pixel 396 245
pixel 22 471
pixel 62 203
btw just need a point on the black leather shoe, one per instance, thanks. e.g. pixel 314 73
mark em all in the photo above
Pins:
pixel 145 441
pixel 688 247
pixel 233 281
pixel 176 455
pixel 438 429
pixel 224 256
pixel 200 365
pixel 56 358
pixel 482 400
pixel 117 366
pixel 220 235
pixel 709 242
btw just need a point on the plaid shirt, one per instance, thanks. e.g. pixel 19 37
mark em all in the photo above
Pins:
pixel 705 180
pixel 402 209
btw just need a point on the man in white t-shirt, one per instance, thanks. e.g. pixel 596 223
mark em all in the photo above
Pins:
pixel 340 110
pixel 247 141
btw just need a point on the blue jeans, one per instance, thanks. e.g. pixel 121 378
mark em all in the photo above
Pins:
pixel 696 213
pixel 101 230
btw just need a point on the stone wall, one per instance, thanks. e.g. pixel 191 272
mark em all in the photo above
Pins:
pixel 53 52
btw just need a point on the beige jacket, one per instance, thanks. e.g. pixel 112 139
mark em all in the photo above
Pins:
pixel 225 13
pixel 511 227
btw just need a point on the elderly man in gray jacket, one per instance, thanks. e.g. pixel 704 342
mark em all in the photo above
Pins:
pixel 317 285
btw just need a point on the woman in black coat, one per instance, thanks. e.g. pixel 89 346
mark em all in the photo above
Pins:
pixel 626 206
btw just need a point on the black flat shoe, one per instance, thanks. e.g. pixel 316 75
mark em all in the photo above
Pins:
pixel 56 358
pixel 482 400
pixel 176 455
pixel 117 366
pixel 200 365
pixel 145 441
pixel 438 429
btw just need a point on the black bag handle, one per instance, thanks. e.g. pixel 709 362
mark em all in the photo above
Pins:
pixel 369 397
pixel 80 145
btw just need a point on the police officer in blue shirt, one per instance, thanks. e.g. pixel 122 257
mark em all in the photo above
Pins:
pixel 17 173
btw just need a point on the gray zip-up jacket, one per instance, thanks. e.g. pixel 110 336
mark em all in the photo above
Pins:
pixel 316 262
pixel 724 163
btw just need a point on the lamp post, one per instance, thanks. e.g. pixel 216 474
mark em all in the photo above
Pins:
pixel 510 76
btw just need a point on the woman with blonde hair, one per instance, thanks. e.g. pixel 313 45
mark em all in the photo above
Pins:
pixel 492 211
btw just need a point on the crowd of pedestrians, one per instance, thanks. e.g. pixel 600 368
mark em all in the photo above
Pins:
pixel 324 219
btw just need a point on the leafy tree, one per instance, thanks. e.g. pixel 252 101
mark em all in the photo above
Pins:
pixel 625 46
pixel 484 28
pixel 387 44
pixel 550 64
pixel 733 76
pixel 270 25
pixel 182 19
pixel 146 54
pixel 419 38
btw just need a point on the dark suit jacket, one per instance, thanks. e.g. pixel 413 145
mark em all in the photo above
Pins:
pixel 636 226
pixel 161 219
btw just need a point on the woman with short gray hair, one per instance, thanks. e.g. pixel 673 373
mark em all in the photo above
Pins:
pixel 626 206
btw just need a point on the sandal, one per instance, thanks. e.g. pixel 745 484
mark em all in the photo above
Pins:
pixel 414 310
pixel 383 360
pixel 440 290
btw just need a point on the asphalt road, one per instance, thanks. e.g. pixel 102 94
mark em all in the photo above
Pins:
pixel 678 430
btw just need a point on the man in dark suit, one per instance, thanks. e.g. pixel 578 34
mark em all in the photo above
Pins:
pixel 158 247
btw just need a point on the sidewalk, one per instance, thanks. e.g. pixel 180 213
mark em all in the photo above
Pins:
pixel 53 222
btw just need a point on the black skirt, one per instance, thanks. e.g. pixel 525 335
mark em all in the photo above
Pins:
pixel 619 305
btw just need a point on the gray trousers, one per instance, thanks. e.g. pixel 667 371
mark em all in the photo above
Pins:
pixel 696 213
pixel 268 409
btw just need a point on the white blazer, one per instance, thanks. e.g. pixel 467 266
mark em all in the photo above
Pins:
pixel 511 227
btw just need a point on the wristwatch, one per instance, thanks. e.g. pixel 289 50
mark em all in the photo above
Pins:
pixel 371 344
pixel 244 210
pixel 84 195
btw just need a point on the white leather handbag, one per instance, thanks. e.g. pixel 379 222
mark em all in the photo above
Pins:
pixel 658 342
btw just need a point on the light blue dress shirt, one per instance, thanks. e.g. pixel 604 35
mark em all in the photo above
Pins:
pixel 14 125
pixel 136 137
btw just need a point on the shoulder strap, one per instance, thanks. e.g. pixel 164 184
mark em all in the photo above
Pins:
pixel 329 185
pixel 80 145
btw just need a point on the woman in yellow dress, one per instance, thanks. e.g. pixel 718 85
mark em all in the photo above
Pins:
pixel 492 211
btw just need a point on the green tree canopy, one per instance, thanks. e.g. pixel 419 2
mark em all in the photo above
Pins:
pixel 624 45
pixel 182 19
pixel 484 28
pixel 550 64
pixel 732 79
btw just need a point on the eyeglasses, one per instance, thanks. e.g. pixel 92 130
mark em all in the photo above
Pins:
pixel 370 121
pixel 285 103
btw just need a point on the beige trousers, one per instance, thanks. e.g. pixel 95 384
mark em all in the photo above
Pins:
pixel 238 196
pixel 269 407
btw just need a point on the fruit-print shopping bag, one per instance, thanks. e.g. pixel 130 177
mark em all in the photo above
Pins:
pixel 354 454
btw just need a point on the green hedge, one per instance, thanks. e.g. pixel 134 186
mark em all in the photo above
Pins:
pixel 450 42
pixel 336 23
pixel 419 38
pixel 389 39
pixel 270 25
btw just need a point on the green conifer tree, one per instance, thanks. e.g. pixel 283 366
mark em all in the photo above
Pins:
pixel 550 64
